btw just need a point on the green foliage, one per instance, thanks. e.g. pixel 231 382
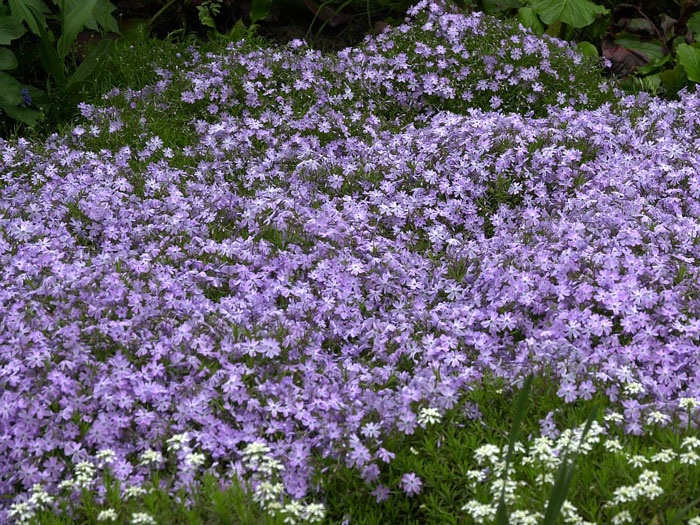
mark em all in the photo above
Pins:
pixel 576 13
pixel 22 16
pixel 259 10
pixel 689 58
pixel 528 18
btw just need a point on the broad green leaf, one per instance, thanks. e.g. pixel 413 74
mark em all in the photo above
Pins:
pixel 651 83
pixel 53 64
pixel 259 9
pixel 694 23
pixel 650 50
pixel 689 58
pixel 101 18
pixel 654 65
pixel 528 18
pixel 674 79
pixel 91 61
pixel 587 49
pixel 28 116
pixel 576 13
pixel 10 29
pixel 238 31
pixel 74 21
pixel 10 89
pixel 22 10
pixel 554 29
pixel 8 60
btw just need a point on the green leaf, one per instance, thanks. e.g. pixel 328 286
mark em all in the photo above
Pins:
pixel 689 58
pixel 74 21
pixel 28 116
pixel 520 407
pixel 650 50
pixel 10 89
pixel 694 23
pixel 21 9
pixel 259 9
pixel 653 66
pixel 650 83
pixel 587 49
pixel 10 29
pixel 680 514
pixel 564 477
pixel 91 61
pixel 576 13
pixel 8 60
pixel 53 64
pixel 101 18
pixel 674 79
pixel 554 29
pixel 238 31
pixel 528 18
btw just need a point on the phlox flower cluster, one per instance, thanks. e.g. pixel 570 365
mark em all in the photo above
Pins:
pixel 324 254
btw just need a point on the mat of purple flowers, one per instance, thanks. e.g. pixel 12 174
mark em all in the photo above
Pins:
pixel 344 241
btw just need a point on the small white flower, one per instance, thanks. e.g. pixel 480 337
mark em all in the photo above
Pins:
pixel 149 457
pixel 176 442
pixel 132 491
pixel 256 449
pixel 107 515
pixel 613 445
pixel 429 416
pixel 142 518
pixel 688 403
pixel 657 417
pixel 523 517
pixel 476 476
pixel 633 388
pixel 107 456
pixel 487 452
pixel 314 512
pixel 665 456
pixel 614 417
pixel 690 442
pixel 637 461
pixel 622 517
pixel 195 459
pixel 689 458
pixel 480 512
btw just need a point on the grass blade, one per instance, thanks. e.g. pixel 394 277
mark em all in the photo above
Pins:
pixel 520 406
pixel 564 477
pixel 680 514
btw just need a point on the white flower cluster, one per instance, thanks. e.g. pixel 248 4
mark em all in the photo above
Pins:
pixel 105 457
pixel 269 491
pixel 177 442
pixel 545 455
pixel 151 457
pixel 25 511
pixel 428 416
pixel 646 487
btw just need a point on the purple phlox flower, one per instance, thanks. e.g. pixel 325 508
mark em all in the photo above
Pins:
pixel 411 484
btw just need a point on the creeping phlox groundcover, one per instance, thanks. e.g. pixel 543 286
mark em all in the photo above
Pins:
pixel 325 249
